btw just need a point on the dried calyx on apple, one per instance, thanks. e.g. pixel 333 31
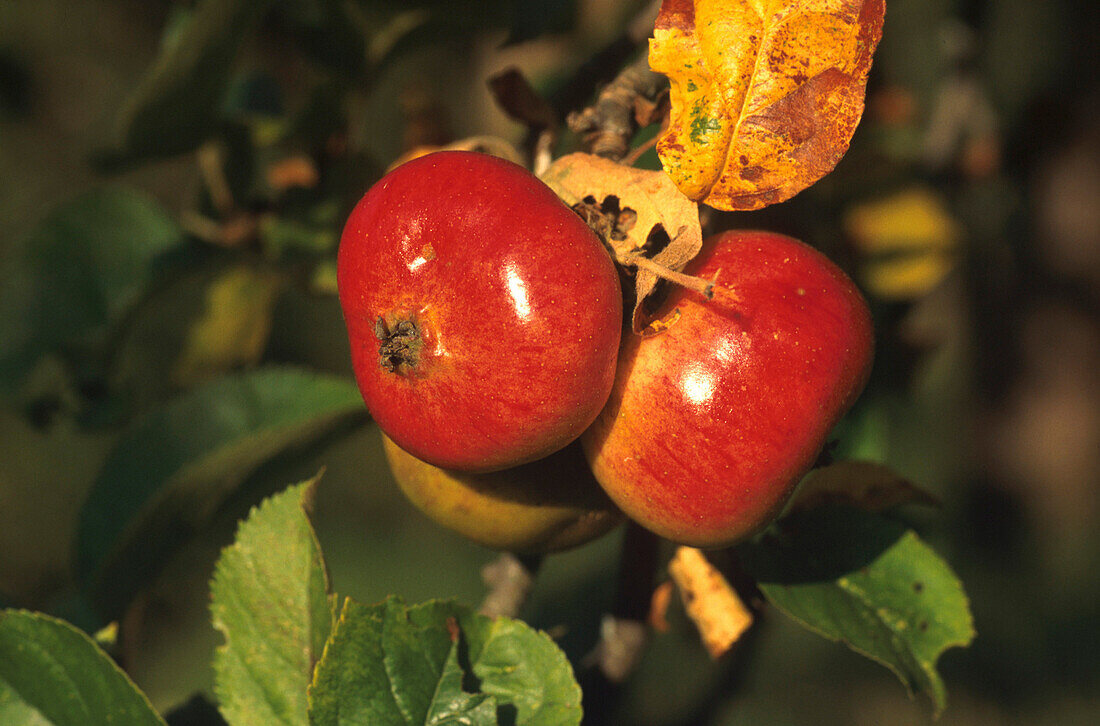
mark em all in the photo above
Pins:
pixel 399 344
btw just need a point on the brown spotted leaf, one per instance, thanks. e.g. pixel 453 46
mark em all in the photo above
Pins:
pixel 642 214
pixel 766 94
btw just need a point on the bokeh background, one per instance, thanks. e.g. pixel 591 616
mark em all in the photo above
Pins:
pixel 968 209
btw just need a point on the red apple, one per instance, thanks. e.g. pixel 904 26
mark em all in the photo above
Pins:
pixel 484 315
pixel 544 506
pixel 712 422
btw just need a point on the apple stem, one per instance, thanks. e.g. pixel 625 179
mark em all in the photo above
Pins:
pixel 697 284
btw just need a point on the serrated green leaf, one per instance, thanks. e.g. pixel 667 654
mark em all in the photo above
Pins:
pixel 350 684
pixel 175 107
pixel 391 664
pixel 869 582
pixel 175 466
pixel 451 705
pixel 53 674
pixel 78 272
pixel 272 601
pixel 522 668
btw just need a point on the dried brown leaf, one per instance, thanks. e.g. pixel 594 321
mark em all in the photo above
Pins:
pixel 639 208
pixel 517 98
pixel 710 602
pixel 658 607
pixel 766 94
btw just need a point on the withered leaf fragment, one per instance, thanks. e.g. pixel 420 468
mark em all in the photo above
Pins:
pixel 646 203
pixel 766 94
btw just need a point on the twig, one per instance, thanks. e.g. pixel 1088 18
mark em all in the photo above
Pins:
pixel 608 125
pixel 623 632
pixel 636 153
pixel 201 226
pixel 603 65
pixel 212 168
pixel 510 580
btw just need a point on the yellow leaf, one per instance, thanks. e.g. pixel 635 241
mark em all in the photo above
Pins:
pixel 908 240
pixel 914 219
pixel 233 329
pixel 766 94
pixel 905 278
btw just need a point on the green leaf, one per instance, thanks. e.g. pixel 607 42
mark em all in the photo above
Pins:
pixel 175 107
pixel 234 326
pixel 172 469
pixel 535 18
pixel 282 235
pixel 197 326
pixel 52 673
pixel 869 582
pixel 440 662
pixel 330 33
pixel 44 475
pixel 271 600
pixel 452 705
pixel 77 273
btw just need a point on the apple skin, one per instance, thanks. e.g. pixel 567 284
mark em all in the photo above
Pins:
pixel 543 506
pixel 712 422
pixel 511 307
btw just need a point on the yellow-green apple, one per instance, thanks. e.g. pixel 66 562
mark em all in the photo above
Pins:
pixel 724 403
pixel 484 315
pixel 543 506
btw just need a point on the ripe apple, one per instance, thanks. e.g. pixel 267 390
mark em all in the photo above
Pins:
pixel 484 315
pixel 543 506
pixel 712 422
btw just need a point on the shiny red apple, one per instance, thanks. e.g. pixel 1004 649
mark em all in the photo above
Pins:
pixel 712 422
pixel 484 315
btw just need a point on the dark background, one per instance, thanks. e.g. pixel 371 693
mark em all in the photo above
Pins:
pixel 968 209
